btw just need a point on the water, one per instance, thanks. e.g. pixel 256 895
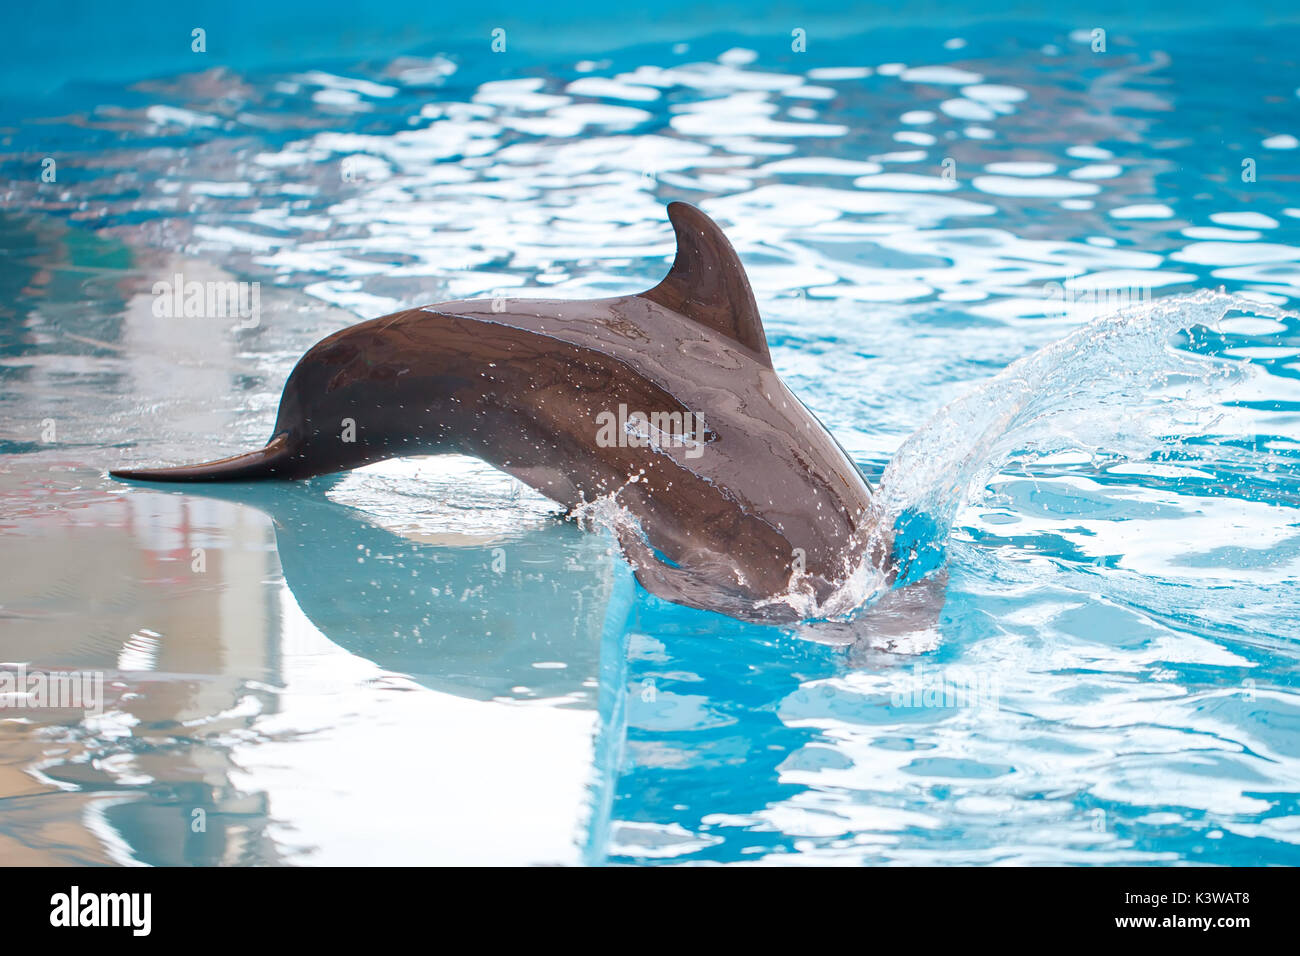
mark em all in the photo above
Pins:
pixel 420 662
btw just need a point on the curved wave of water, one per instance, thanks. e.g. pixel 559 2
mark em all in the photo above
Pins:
pixel 1149 393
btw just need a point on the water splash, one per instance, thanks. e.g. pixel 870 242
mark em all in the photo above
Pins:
pixel 864 580
pixel 1116 389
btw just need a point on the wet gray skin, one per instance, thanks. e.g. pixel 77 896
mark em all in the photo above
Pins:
pixel 734 484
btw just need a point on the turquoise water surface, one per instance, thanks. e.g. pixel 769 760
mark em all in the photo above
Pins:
pixel 422 661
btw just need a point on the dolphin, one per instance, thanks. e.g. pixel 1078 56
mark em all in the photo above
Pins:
pixel 658 413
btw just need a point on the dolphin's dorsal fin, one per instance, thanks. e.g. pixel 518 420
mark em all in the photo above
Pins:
pixel 707 283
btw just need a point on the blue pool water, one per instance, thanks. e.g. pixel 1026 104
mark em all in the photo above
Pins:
pixel 983 251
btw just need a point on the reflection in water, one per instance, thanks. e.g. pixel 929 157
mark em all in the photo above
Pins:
pixel 103 585
pixel 474 620
pixel 230 694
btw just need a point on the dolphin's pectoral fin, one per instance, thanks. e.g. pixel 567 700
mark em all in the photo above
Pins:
pixel 707 283
pixel 698 583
